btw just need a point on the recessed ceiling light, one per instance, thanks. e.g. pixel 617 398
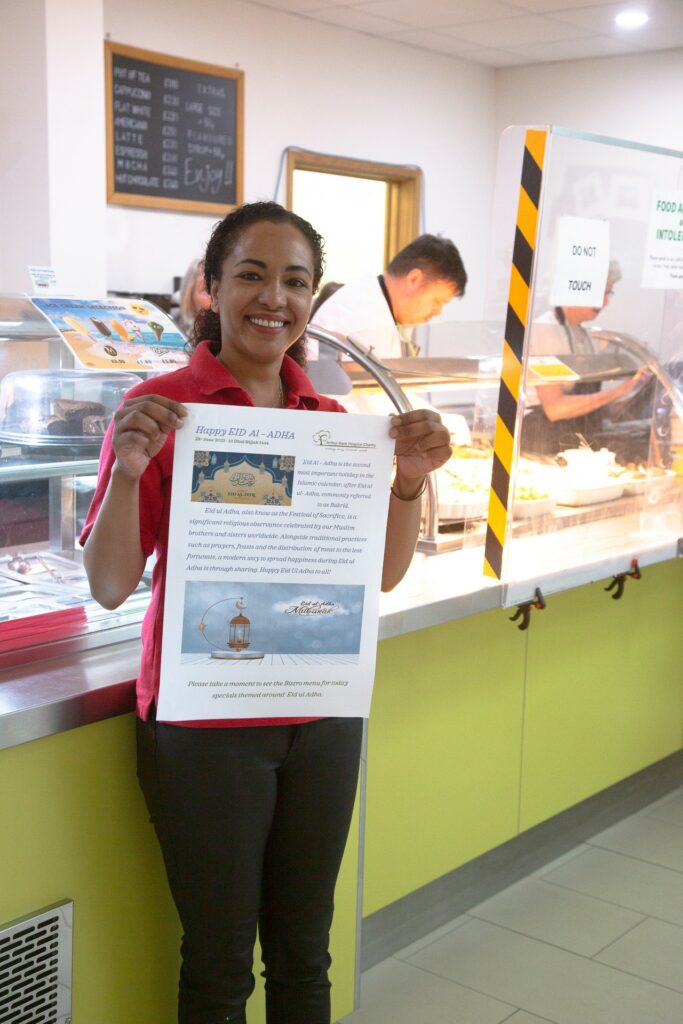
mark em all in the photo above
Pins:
pixel 631 19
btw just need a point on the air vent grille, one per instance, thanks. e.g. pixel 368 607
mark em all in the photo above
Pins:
pixel 35 967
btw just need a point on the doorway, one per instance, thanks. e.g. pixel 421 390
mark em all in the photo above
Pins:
pixel 365 211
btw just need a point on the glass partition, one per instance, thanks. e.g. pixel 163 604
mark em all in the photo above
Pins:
pixel 596 293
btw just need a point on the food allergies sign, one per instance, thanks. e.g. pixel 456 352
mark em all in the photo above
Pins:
pixel 663 264
pixel 581 262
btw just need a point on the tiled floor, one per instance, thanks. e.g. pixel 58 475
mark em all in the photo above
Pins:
pixel 596 937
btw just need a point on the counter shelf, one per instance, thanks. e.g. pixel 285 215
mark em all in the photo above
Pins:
pixel 426 373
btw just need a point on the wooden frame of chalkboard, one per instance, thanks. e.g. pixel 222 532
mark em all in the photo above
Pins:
pixel 175 131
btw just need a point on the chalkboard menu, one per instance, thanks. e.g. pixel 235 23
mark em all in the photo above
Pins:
pixel 174 132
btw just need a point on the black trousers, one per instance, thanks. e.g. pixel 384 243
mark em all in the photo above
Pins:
pixel 252 824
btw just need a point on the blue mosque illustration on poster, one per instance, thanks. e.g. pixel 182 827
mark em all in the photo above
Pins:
pixel 241 478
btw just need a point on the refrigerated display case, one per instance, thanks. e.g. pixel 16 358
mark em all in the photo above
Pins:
pixel 53 417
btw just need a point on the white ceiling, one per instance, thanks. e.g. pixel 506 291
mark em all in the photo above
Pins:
pixel 503 33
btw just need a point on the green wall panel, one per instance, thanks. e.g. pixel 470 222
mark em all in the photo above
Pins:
pixel 74 825
pixel 604 694
pixel 443 752
pixel 79 830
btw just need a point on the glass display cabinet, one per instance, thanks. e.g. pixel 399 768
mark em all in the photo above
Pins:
pixel 52 421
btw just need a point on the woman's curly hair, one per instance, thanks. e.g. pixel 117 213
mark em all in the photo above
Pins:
pixel 225 235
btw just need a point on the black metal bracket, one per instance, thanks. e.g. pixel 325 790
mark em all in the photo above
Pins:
pixel 619 581
pixel 524 610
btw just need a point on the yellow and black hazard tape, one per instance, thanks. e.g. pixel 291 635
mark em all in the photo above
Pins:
pixel 513 345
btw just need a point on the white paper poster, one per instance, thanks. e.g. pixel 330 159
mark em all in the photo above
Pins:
pixel 663 264
pixel 581 262
pixel 276 546
pixel 43 279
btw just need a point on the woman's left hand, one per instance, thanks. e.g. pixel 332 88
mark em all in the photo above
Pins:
pixel 422 443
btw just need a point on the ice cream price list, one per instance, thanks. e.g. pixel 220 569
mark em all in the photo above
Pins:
pixel 173 131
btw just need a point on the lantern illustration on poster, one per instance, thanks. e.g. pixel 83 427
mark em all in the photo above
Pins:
pixel 237 643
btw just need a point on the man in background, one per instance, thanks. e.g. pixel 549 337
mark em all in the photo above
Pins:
pixel 378 311
pixel 559 415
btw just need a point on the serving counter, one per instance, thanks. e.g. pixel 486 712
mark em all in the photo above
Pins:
pixel 481 731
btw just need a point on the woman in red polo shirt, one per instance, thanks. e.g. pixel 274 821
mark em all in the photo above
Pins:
pixel 252 814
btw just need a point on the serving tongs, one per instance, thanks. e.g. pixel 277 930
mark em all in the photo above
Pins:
pixel 18 569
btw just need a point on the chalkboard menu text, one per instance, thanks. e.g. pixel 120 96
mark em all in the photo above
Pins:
pixel 174 131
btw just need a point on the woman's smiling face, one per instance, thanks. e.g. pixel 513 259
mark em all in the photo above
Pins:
pixel 265 292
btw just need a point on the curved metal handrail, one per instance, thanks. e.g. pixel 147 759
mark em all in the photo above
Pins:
pixel 365 358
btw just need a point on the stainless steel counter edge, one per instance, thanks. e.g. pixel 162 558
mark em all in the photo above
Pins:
pixel 43 698
pixel 439 611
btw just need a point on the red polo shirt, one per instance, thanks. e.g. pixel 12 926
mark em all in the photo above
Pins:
pixel 204 379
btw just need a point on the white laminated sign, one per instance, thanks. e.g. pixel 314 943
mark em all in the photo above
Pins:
pixel 581 262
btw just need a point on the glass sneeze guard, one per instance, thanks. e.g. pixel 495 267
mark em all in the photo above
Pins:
pixel 596 474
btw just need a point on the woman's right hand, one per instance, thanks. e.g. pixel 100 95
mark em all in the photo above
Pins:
pixel 141 427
